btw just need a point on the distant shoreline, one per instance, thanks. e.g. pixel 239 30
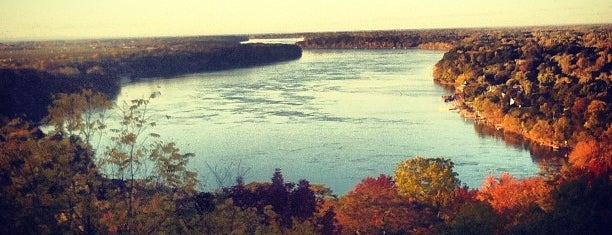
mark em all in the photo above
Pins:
pixel 31 72
pixel 508 73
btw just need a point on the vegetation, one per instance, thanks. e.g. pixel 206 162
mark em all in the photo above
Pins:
pixel 550 86
pixel 547 84
pixel 140 184
pixel 375 206
pixel 32 71
pixel 423 179
pixel 426 39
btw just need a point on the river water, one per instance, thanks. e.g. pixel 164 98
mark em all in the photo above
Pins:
pixel 331 117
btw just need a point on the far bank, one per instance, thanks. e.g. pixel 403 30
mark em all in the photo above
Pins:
pixel 31 72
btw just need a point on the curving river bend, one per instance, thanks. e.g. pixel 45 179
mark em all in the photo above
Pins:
pixel 332 117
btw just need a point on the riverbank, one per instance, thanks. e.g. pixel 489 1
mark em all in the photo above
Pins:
pixel 31 72
pixel 335 116
pixel 551 87
pixel 547 84
pixel 467 111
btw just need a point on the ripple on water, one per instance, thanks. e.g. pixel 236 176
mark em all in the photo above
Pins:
pixel 332 117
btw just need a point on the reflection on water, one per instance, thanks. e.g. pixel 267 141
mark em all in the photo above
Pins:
pixel 549 160
pixel 333 117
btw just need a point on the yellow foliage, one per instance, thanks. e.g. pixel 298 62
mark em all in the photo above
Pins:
pixel 426 179
pixel 541 130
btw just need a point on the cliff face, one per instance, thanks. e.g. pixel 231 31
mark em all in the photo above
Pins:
pixel 31 72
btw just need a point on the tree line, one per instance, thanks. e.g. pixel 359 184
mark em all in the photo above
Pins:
pixel 426 39
pixel 550 86
pixel 32 71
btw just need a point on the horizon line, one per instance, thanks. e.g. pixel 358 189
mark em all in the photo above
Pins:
pixel 79 38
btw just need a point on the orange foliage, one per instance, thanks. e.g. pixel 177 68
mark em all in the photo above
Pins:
pixel 375 207
pixel 541 131
pixel 512 124
pixel 510 196
pixel 490 110
pixel 592 156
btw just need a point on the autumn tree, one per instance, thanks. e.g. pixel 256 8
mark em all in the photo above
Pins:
pixel 596 116
pixel 582 205
pixel 48 183
pixel 225 218
pixel 429 180
pixel 132 150
pixel 285 206
pixel 375 207
pixel 303 203
pixel 472 217
pixel 591 157
pixel 513 198
pixel 144 172
pixel 557 80
pixel 541 131
pixel 82 114
pixel 277 196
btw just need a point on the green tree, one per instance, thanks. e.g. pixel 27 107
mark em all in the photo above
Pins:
pixel 81 114
pixel 426 179
pixel 132 150
pixel 147 174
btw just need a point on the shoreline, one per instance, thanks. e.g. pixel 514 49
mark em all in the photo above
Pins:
pixel 31 72
pixel 467 111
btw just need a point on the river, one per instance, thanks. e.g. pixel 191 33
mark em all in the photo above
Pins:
pixel 331 117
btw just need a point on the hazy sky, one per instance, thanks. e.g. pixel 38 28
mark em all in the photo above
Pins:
pixel 29 19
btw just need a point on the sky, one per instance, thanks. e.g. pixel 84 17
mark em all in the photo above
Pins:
pixel 67 19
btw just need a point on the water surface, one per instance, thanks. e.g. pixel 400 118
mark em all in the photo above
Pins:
pixel 332 117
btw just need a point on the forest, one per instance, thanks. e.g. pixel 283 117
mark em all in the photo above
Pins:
pixel 547 84
pixel 426 39
pixel 552 87
pixel 32 71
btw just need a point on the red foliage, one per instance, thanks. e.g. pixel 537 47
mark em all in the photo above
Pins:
pixel 465 194
pixel 512 197
pixel 375 207
pixel 383 182
pixel 580 105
